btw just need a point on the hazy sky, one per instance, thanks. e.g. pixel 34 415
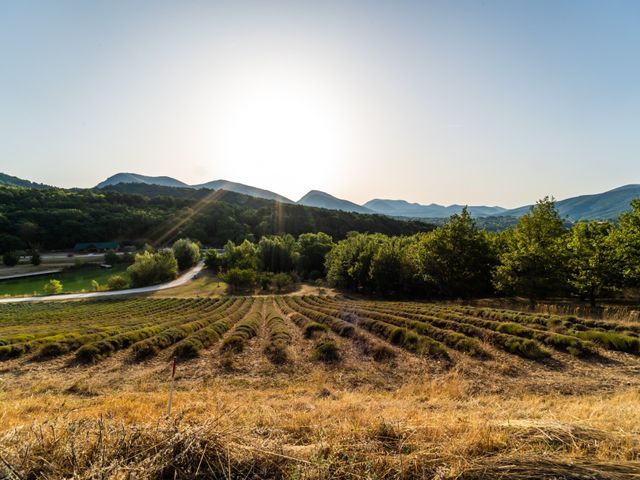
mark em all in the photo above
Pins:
pixel 478 102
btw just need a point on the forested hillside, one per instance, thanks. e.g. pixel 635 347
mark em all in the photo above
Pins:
pixel 57 218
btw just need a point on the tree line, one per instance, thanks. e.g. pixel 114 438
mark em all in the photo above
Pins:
pixel 540 257
pixel 276 261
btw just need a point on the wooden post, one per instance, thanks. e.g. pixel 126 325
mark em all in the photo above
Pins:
pixel 173 377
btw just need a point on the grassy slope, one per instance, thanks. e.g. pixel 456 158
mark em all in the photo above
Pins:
pixel 74 280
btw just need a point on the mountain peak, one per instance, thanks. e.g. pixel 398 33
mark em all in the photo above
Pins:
pixel 126 177
pixel 320 199
pixel 244 189
pixel 19 182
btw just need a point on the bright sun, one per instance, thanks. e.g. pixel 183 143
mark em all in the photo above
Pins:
pixel 274 129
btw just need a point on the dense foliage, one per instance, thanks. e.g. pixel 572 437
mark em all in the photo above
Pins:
pixel 276 262
pixel 187 253
pixel 538 258
pixel 57 218
pixel 455 259
pixel 153 268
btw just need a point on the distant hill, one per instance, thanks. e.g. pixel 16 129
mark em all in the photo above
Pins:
pixel 599 206
pixel 136 178
pixel 316 198
pixel 139 213
pixel 150 190
pixel 402 208
pixel 19 182
pixel 244 189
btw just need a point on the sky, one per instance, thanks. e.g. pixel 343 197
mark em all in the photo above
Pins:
pixel 468 102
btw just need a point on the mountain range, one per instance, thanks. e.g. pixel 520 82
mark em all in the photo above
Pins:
pixel 599 206
pixel 213 185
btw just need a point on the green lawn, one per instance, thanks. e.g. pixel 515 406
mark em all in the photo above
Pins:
pixel 74 280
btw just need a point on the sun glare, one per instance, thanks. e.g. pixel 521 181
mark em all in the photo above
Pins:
pixel 272 129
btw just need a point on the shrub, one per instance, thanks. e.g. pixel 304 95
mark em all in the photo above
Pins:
pixel 313 328
pixel 12 351
pixel 327 351
pixel 380 353
pixel 145 350
pixel 36 259
pixel 233 343
pixel 187 349
pixel 612 341
pixel 398 335
pixel 279 337
pixel 116 282
pixel 88 354
pixel 281 281
pixel 52 350
pixel 53 287
pixel 11 258
pixel 276 352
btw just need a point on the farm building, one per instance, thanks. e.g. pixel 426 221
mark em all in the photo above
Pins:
pixel 95 247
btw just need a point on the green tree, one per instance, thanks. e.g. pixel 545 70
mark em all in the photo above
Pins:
pixel 534 262
pixel 9 242
pixel 456 259
pixel 152 268
pixel 240 279
pixel 212 260
pixel 53 287
pixel 243 256
pixel 391 271
pixel 313 249
pixel 187 253
pixel 277 253
pixel 626 244
pixel 591 262
pixel 281 281
pixel 348 264
pixel 11 258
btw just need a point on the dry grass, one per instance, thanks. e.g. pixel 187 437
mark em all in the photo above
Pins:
pixel 309 430
pixel 206 285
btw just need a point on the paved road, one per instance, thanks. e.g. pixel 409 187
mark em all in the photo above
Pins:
pixel 181 280
pixel 31 274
